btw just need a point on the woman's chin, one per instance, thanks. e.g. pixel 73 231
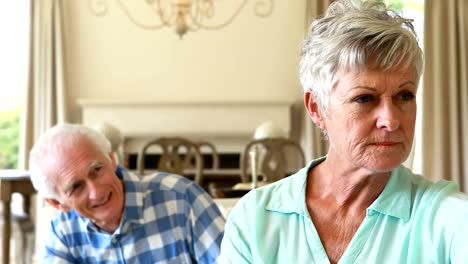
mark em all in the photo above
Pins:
pixel 384 165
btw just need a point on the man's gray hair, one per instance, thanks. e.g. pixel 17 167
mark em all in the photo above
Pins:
pixel 356 36
pixel 60 137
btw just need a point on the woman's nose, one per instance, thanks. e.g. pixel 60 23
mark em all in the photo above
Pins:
pixel 388 116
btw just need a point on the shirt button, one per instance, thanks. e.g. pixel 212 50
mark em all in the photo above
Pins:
pixel 114 240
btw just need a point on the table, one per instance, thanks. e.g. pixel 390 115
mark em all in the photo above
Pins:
pixel 222 177
pixel 225 205
pixel 12 181
pixel 248 185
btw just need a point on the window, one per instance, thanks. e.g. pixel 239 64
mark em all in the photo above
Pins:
pixel 14 25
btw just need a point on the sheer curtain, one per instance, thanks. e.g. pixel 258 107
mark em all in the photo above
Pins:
pixel 45 96
pixel 445 92
pixel 310 137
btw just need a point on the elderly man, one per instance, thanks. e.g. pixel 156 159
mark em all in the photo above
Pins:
pixel 107 214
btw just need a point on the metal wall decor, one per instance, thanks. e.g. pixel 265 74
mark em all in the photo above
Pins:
pixel 183 15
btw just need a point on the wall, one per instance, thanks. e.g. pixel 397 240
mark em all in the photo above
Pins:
pixel 253 59
pixel 109 58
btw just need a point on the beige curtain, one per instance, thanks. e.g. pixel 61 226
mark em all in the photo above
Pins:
pixel 315 8
pixel 445 91
pixel 45 98
pixel 310 136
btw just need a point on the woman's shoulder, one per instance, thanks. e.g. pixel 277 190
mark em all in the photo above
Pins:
pixel 428 197
pixel 445 195
pixel 441 197
pixel 443 215
pixel 285 195
pixel 439 190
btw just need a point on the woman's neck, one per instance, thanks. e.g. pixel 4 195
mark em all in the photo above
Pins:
pixel 346 186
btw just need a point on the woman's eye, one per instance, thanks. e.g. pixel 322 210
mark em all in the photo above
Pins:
pixel 363 98
pixel 406 96
pixel 97 169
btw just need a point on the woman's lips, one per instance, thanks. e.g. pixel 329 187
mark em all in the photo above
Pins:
pixel 386 143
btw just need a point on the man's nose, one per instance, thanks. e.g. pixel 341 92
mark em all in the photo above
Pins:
pixel 94 191
pixel 388 116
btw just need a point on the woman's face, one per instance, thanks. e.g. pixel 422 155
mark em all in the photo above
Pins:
pixel 371 118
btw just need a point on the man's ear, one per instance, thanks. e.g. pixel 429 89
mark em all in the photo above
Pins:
pixel 313 109
pixel 113 160
pixel 57 205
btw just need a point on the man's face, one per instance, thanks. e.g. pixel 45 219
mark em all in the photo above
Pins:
pixel 85 180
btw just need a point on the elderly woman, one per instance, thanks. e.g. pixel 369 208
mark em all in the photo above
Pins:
pixel 360 69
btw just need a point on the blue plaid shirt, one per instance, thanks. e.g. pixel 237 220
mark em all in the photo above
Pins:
pixel 167 219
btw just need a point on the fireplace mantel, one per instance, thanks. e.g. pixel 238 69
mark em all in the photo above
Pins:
pixel 229 125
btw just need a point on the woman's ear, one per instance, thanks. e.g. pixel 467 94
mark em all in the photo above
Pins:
pixel 313 109
pixel 57 205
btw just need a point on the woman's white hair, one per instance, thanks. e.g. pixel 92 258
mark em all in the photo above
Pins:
pixel 356 36
pixel 62 136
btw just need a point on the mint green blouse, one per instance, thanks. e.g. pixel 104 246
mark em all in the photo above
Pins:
pixel 412 221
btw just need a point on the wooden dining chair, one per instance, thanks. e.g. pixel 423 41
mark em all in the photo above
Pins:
pixel 207 148
pixel 275 159
pixel 177 155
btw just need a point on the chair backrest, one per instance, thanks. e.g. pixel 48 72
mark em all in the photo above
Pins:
pixel 177 156
pixel 274 156
pixel 209 148
pixel 115 137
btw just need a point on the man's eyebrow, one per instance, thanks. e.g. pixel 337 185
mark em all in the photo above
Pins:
pixel 93 165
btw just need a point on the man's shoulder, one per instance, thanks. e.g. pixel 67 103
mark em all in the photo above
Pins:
pixel 161 182
pixel 168 181
pixel 66 216
pixel 66 223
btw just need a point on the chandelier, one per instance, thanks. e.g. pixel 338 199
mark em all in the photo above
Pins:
pixel 183 15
